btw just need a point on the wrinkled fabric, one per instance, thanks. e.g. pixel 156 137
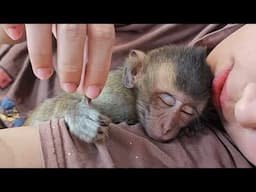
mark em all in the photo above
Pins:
pixel 129 147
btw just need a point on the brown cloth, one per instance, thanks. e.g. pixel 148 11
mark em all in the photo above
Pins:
pixel 130 147
pixel 126 146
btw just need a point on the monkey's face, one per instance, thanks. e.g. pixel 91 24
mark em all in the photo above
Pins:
pixel 164 114
pixel 163 110
pixel 173 86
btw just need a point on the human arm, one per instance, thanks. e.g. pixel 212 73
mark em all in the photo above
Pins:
pixel 20 148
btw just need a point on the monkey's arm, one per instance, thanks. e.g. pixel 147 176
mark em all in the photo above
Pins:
pixel 116 101
pixel 90 123
pixel 83 121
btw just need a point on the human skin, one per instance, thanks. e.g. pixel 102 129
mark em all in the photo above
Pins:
pixel 236 100
pixel 76 44
pixel 20 148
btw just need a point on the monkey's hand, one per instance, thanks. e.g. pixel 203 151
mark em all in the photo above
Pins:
pixel 87 123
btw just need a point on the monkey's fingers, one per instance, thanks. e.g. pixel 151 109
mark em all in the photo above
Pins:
pixel 102 134
pixel 104 120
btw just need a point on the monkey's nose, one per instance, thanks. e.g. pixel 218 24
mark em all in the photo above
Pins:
pixel 166 128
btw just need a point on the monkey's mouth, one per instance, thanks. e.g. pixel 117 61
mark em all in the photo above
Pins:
pixel 217 86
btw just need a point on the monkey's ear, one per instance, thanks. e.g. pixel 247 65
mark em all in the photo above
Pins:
pixel 133 68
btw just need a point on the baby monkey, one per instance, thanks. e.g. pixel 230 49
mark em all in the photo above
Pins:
pixel 165 90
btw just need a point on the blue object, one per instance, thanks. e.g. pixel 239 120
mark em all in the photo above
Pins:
pixel 7 104
pixel 18 122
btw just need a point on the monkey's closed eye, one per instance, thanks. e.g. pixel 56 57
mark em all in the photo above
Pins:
pixel 188 110
pixel 167 99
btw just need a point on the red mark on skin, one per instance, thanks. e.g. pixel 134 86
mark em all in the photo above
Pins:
pixel 217 86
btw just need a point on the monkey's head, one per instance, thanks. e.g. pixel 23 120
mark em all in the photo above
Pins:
pixel 173 86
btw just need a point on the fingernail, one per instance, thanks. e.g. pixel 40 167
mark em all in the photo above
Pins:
pixel 14 32
pixel 69 87
pixel 93 91
pixel 44 73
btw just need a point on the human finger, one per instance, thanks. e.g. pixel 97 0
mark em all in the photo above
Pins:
pixel 39 40
pixel 70 49
pixel 100 43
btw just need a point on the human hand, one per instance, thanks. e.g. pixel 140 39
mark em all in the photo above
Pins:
pixel 73 40
pixel 233 63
